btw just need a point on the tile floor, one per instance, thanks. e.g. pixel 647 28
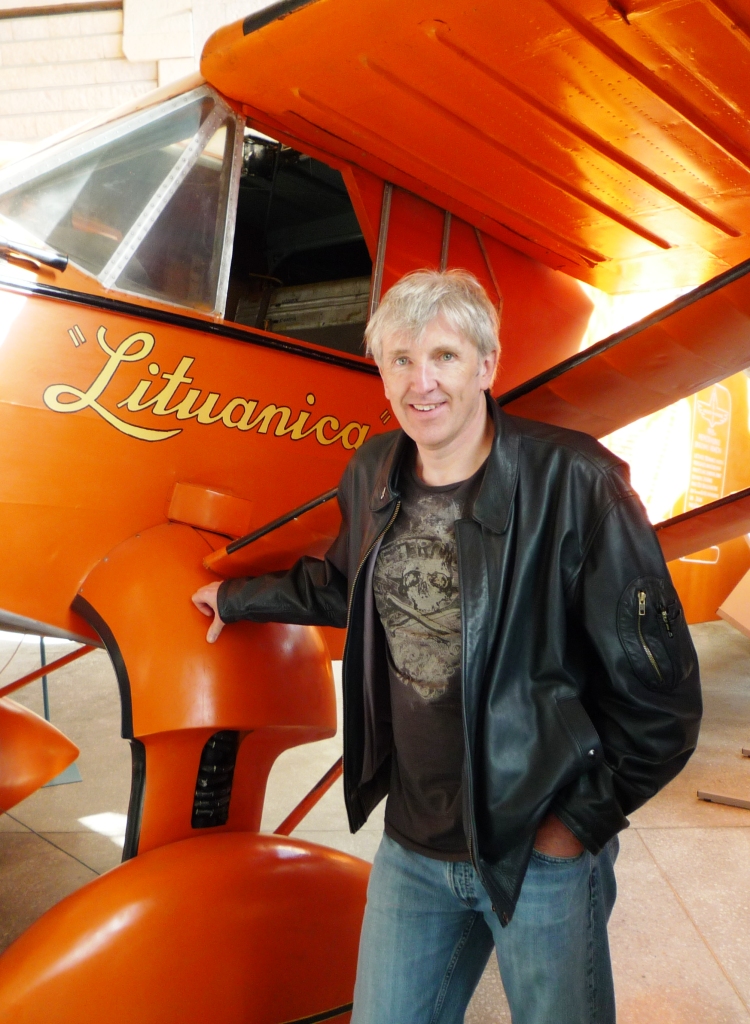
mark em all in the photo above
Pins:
pixel 680 933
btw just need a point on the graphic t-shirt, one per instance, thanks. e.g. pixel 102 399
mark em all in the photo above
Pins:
pixel 416 594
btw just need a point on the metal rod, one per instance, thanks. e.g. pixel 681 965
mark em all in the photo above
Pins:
pixel 230 218
pixel 377 277
pixel 52 667
pixel 490 269
pixel 307 803
pixel 275 524
pixel 701 510
pixel 153 209
pixel 47 257
pixel 446 241
pixel 45 688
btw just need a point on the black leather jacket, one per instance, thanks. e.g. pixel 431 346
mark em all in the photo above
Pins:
pixel 581 692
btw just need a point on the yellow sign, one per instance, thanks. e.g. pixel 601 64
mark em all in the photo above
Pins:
pixel 712 415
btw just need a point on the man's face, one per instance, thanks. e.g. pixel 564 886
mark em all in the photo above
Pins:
pixel 435 385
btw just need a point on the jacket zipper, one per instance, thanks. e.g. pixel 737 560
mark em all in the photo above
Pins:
pixel 469 781
pixel 348 620
pixel 469 804
pixel 644 645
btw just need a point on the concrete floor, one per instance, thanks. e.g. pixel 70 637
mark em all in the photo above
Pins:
pixel 681 928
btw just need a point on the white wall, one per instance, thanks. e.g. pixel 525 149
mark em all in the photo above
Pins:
pixel 57 69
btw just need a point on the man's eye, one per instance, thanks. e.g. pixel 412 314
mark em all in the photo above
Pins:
pixel 447 356
pixel 401 361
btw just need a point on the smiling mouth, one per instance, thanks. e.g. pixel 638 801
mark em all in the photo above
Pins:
pixel 426 408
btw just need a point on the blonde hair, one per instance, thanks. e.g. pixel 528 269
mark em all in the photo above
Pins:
pixel 419 298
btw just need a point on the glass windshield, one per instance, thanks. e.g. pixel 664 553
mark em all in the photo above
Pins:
pixel 180 256
pixel 86 207
pixel 140 204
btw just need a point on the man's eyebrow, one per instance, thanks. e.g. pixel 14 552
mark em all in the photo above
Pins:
pixel 443 346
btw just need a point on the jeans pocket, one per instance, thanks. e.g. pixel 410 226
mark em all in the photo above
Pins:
pixel 547 858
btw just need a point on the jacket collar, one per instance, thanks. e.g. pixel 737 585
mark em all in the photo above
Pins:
pixel 386 489
pixel 493 503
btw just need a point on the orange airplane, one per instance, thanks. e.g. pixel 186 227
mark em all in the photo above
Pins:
pixel 184 287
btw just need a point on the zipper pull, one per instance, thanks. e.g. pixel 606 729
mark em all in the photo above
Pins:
pixel 641 603
pixel 665 617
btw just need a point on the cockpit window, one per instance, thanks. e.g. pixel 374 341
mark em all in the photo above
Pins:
pixel 141 203
pixel 180 202
pixel 300 265
pixel 180 256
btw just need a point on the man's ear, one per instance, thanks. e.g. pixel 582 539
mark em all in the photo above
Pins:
pixel 488 368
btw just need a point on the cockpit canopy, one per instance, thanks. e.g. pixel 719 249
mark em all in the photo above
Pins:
pixel 141 203
pixel 181 203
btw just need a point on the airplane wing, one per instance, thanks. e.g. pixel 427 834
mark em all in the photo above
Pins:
pixel 701 338
pixel 688 345
pixel 610 140
pixel 721 520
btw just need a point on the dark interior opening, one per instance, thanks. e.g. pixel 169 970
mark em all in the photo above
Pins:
pixel 300 265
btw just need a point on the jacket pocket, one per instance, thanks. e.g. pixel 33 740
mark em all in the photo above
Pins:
pixel 654 634
pixel 581 730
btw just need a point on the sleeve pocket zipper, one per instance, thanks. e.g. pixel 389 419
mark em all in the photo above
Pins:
pixel 653 634
pixel 644 645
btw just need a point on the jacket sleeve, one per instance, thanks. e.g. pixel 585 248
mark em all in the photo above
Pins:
pixel 643 692
pixel 312 593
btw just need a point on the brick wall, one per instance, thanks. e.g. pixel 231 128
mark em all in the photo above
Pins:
pixel 58 69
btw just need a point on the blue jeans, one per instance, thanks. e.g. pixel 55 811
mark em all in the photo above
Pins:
pixel 429 929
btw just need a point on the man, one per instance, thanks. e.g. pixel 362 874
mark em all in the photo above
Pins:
pixel 518 675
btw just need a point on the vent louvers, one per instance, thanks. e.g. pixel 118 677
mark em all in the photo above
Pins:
pixel 213 787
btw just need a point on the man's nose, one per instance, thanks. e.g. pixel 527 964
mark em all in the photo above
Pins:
pixel 423 379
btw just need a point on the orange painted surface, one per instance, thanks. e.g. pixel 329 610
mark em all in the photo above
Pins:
pixel 336 640
pixel 232 928
pixel 559 140
pixel 683 354
pixel 736 606
pixel 272 683
pixel 87 463
pixel 32 752
pixel 253 679
pixel 311 533
pixel 210 510
pixel 415 233
pixel 713 553
pixel 544 313
pixel 366 193
pixel 705 578
pixel 705 529
pixel 617 152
